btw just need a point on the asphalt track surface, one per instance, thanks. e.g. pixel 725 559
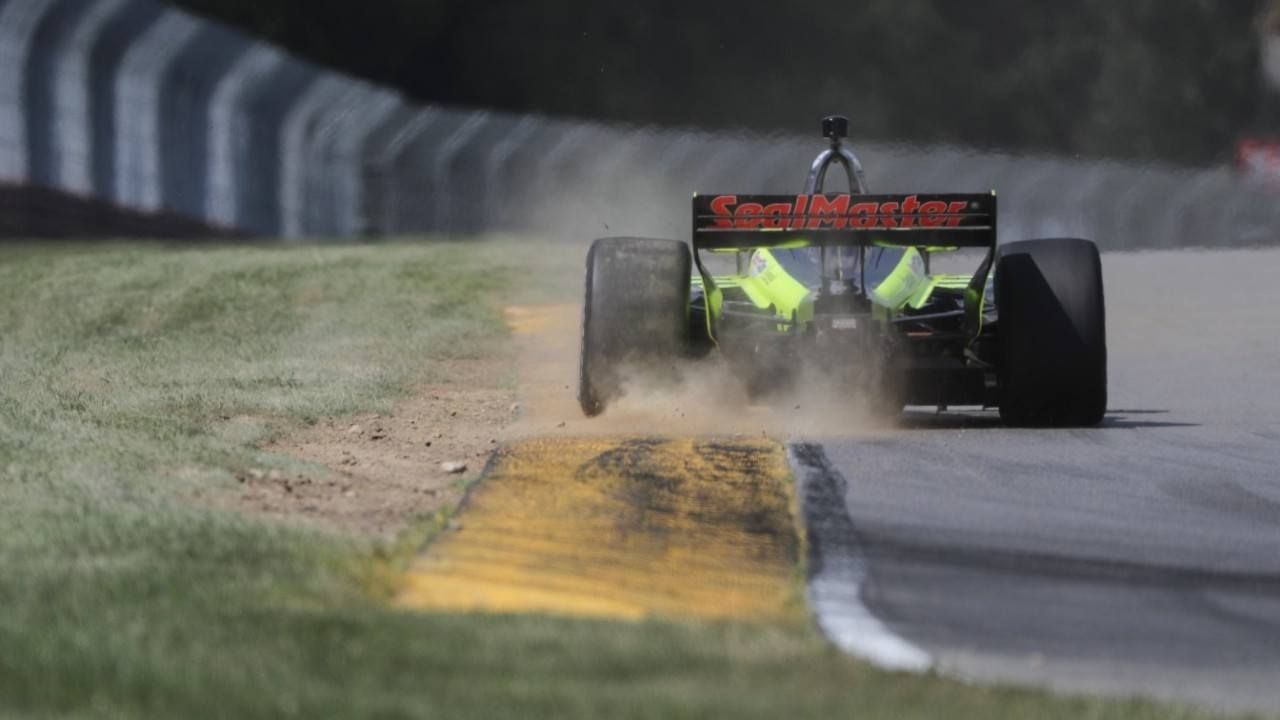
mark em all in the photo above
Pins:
pixel 1142 556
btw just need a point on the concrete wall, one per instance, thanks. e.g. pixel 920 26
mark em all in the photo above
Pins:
pixel 139 105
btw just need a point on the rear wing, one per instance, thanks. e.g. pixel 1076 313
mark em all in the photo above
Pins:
pixel 752 221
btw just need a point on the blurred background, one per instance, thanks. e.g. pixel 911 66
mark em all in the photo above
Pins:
pixel 1141 124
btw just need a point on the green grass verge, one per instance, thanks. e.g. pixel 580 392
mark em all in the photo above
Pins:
pixel 124 372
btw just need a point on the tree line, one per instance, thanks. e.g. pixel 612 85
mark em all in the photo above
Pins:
pixel 1167 80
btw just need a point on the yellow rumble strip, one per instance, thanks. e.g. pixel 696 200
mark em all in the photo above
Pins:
pixel 621 528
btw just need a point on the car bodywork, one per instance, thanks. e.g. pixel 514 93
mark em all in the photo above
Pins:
pixel 844 280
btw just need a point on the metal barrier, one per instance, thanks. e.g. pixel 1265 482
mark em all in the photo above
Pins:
pixel 157 111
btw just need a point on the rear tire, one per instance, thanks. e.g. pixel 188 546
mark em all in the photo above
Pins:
pixel 636 313
pixel 1052 330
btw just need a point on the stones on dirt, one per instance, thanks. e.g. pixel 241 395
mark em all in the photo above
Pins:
pixel 384 469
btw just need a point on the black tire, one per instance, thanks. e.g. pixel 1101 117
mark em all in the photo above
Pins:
pixel 1053 333
pixel 636 312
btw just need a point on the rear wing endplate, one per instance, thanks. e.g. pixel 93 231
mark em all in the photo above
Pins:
pixel 752 221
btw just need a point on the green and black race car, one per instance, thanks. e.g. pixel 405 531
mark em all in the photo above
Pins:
pixel 842 282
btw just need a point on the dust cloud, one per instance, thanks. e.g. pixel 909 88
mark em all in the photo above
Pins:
pixel 705 398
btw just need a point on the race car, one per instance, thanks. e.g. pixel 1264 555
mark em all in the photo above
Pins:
pixel 842 282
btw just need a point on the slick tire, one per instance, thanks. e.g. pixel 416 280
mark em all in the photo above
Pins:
pixel 1053 335
pixel 635 315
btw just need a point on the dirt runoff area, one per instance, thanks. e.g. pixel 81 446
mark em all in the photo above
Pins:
pixel 373 474
pixel 382 471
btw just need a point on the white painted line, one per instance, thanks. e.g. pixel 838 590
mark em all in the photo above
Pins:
pixel 836 598
pixel 839 570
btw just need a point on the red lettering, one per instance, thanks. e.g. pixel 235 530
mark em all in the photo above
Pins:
pixel 835 212
pixel 863 215
pixel 910 205
pixel 826 211
pixel 932 213
pixel 886 214
pixel 747 216
pixel 802 202
pixel 721 207
pixel 776 215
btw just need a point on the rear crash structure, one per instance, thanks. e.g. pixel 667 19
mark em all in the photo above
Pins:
pixel 843 282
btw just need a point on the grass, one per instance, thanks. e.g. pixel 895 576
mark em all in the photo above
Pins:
pixel 134 380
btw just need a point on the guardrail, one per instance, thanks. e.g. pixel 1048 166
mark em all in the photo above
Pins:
pixel 154 110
